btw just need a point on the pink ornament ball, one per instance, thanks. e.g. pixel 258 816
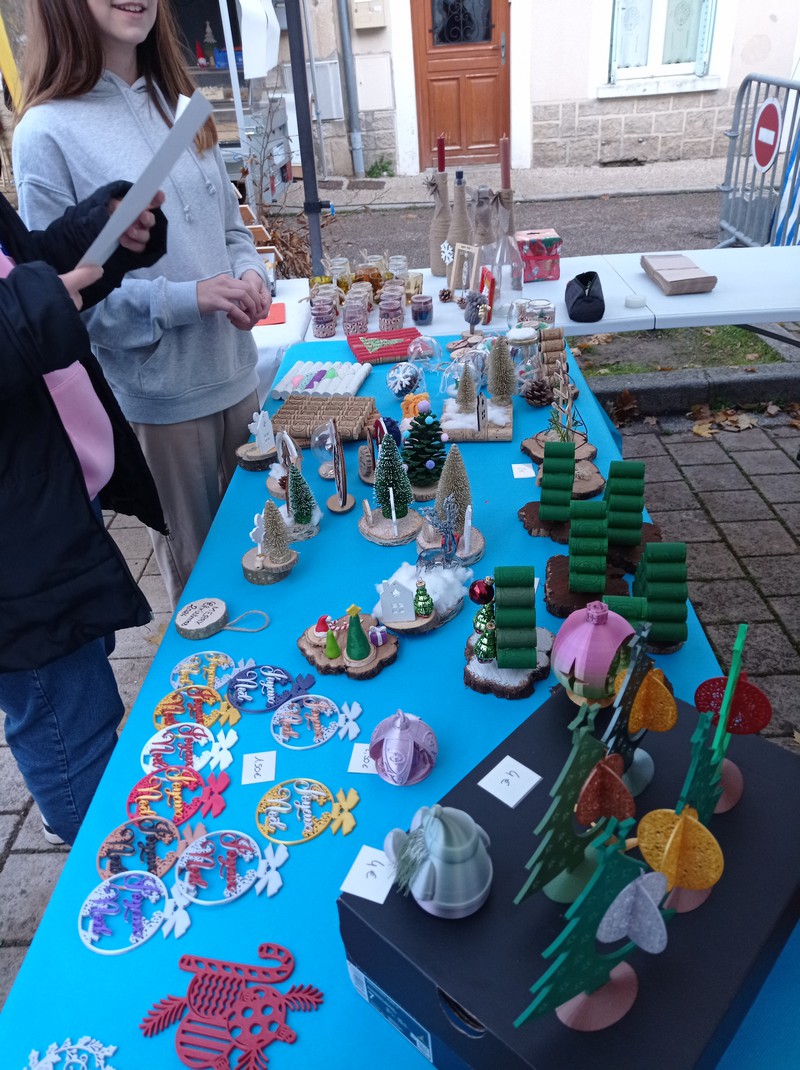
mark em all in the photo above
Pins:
pixel 444 436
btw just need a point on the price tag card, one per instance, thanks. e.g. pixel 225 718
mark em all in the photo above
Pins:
pixel 360 761
pixel 258 768
pixel 523 471
pixel 510 781
pixel 370 876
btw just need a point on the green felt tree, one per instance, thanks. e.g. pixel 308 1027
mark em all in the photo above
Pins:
pixel 577 965
pixel 275 544
pixel 454 481
pixel 562 848
pixel 358 646
pixel 389 473
pixel 423 449
pixel 515 616
pixel 299 498
pixel 466 395
pixel 624 495
pixel 332 648
pixel 502 376
pixel 558 479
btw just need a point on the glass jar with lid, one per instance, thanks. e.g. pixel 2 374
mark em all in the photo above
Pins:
pixel 355 314
pixel 391 312
pixel 323 318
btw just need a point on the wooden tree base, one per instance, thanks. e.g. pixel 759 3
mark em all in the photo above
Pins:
pixel 336 506
pixel 605 1006
pixel 487 678
pixel 628 557
pixel 561 601
pixel 380 656
pixel 430 539
pixel 366 465
pixel 263 570
pixel 252 459
pixel 425 494
pixel 587 483
pixel 557 530
pixel 534 447
pixel 379 529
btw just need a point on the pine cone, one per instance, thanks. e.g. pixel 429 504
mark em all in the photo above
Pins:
pixel 462 303
pixel 445 295
pixel 537 392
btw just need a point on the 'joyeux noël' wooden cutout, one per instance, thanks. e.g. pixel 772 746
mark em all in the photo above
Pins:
pixel 209 668
pixel 188 744
pixel 194 704
pixel 310 721
pixel 307 806
pixel 178 793
pixel 262 688
pixel 123 912
pixel 76 1055
pixel 152 841
pixel 232 1010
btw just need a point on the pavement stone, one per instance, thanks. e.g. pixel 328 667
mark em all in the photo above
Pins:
pixel 635 446
pixel 789 512
pixel 711 561
pixel 685 525
pixel 718 601
pixel 8 830
pixel 782 691
pixel 724 505
pixel 142 642
pixel 133 541
pixel 701 451
pixel 764 462
pixel 26 884
pixel 13 793
pixel 660 469
pixel 754 537
pixel 780 488
pixel 715 477
pixel 775 576
pixel 129 674
pixel 767 650
pixel 30 836
pixel 755 438
pixel 672 495
pixel 787 610
pixel 10 962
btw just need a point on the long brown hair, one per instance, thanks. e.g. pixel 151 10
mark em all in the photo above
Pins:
pixel 64 58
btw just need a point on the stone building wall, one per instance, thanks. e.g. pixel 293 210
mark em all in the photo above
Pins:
pixel 624 130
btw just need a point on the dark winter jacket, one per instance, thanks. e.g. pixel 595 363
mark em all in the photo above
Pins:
pixel 63 582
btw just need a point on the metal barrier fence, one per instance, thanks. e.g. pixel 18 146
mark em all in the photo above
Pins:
pixel 761 189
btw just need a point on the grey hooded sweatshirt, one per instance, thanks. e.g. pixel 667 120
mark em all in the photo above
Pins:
pixel 165 362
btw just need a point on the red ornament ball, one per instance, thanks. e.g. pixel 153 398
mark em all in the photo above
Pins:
pixel 481 592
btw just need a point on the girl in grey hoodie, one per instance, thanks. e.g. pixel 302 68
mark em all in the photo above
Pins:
pixel 102 80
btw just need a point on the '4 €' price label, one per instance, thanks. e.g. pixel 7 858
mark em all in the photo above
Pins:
pixel 510 781
pixel 370 876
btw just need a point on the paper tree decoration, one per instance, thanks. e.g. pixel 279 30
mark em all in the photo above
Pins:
pixel 558 477
pixel 423 448
pixel 660 593
pixel 562 848
pixel 502 375
pixel 466 394
pixel 232 1010
pixel 390 475
pixel 299 497
pixel 577 964
pixel 624 496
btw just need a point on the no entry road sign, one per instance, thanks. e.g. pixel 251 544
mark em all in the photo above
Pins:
pixel 766 134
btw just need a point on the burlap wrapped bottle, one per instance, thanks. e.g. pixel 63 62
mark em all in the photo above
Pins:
pixel 460 230
pixel 440 224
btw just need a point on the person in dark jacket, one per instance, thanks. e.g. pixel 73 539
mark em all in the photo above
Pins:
pixel 65 451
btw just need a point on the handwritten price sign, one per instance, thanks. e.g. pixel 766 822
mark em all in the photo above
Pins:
pixel 370 876
pixel 510 781
pixel 258 768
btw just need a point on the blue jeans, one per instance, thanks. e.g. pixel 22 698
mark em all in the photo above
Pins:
pixel 61 723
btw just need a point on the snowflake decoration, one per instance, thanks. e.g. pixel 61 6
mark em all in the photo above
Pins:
pixel 77 1055
pixel 447 252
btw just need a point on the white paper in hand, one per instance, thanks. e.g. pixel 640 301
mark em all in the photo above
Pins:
pixel 141 193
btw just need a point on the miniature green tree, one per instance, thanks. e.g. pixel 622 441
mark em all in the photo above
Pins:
pixel 423 449
pixel 332 648
pixel 466 395
pixel 454 481
pixel 358 646
pixel 577 964
pixel 561 848
pixel 502 377
pixel 275 544
pixel 423 603
pixel 588 547
pixel 389 473
pixel 299 497
pixel 558 479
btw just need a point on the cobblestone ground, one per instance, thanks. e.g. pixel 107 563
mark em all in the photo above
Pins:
pixel 734 499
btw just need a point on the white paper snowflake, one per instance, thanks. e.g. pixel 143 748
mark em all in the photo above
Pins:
pixel 447 252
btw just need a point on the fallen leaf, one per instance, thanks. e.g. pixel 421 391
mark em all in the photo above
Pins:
pixel 796 735
pixel 752 356
pixel 651 421
pixel 794 423
pixel 664 368
pixel 772 409
pixel 603 371
pixel 700 412
pixel 708 330
pixel 750 371
pixel 704 430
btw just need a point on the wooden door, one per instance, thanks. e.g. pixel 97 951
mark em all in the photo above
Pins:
pixel 461 59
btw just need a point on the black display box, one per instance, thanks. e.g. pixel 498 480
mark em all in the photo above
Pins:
pixel 456 987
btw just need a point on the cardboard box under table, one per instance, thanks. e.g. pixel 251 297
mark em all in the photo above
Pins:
pixel 456 987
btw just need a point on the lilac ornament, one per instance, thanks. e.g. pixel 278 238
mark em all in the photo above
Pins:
pixel 429 465
pixel 403 748
pixel 424 406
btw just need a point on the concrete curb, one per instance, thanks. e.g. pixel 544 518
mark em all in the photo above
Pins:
pixel 665 393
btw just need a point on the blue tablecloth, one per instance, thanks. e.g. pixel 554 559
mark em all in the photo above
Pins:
pixel 64 989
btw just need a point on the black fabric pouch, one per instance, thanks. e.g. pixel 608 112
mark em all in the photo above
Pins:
pixel 584 298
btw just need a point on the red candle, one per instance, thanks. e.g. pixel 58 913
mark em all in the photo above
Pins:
pixel 505 163
pixel 440 152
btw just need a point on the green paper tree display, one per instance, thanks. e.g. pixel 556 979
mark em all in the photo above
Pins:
pixel 588 547
pixel 624 495
pixel 558 480
pixel 299 497
pixel 423 450
pixel 515 616
pixel 577 966
pixel 466 394
pixel 275 544
pixel 358 646
pixel 389 472
pixel 502 375
pixel 562 848
pixel 454 481
pixel 660 593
